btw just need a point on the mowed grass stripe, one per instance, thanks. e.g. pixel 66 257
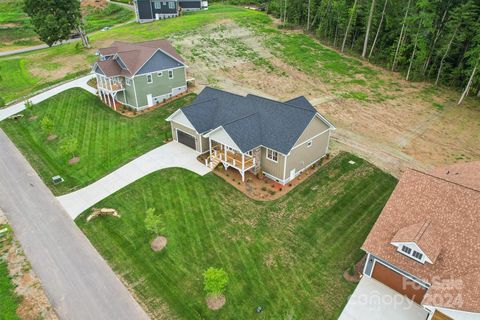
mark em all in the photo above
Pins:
pixel 209 223
pixel 106 140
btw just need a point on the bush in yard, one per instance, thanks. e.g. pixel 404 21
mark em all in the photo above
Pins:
pixel 153 222
pixel 47 125
pixel 215 281
pixel 68 146
pixel 29 107
pixel 2 101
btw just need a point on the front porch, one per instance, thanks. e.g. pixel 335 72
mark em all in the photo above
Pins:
pixel 108 87
pixel 229 157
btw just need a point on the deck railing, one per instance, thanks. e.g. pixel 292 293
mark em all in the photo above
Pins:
pixel 234 159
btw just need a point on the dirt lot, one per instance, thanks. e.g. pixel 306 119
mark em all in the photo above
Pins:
pixel 412 126
pixel 34 303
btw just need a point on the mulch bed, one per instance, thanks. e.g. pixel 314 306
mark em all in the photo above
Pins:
pixel 260 187
pixel 358 271
pixel 216 302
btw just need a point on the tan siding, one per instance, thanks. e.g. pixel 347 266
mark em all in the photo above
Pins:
pixel 315 127
pixel 270 167
pixel 302 156
pixel 186 130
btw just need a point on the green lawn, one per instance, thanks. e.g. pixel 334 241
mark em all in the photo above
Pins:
pixel 106 139
pixel 16 30
pixel 286 255
pixel 9 301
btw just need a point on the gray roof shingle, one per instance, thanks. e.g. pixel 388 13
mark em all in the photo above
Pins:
pixel 251 120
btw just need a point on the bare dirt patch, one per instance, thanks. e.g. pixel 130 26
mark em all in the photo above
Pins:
pixel 389 121
pixel 216 302
pixel 74 160
pixel 34 303
pixel 58 65
pixel 158 244
pixel 52 137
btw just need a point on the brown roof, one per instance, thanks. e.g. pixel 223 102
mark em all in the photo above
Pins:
pixel 110 68
pixel 135 55
pixel 444 217
pixel 424 234
pixel 467 174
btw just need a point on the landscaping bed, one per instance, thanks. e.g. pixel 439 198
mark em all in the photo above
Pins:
pixel 102 140
pixel 286 256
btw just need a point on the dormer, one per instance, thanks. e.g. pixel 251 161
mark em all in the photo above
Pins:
pixel 420 242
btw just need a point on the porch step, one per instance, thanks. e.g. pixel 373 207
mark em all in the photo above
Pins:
pixel 214 162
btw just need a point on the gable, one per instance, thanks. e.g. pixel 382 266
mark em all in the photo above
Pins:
pixel 179 117
pixel 220 135
pixel 315 127
pixel 159 61
pixel 98 70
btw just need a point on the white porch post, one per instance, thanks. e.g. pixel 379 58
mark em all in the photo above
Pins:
pixel 210 151
pixel 243 167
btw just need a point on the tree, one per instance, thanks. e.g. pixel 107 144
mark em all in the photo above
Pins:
pixel 153 222
pixel 68 146
pixel 55 20
pixel 352 13
pixel 47 125
pixel 29 107
pixel 400 38
pixel 365 42
pixel 215 281
pixel 378 29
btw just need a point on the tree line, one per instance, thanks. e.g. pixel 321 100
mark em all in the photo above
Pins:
pixel 436 40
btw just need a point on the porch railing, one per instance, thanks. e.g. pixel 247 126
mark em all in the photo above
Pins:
pixel 234 159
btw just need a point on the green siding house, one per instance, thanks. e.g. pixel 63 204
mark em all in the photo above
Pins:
pixel 139 75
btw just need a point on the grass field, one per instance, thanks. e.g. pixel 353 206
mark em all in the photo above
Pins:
pixel 106 140
pixel 9 301
pixel 287 256
pixel 16 30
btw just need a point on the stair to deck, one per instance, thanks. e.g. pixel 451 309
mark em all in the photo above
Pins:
pixel 214 162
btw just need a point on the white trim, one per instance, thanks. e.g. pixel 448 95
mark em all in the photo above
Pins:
pixel 135 91
pixel 128 81
pixel 311 138
pixel 144 73
pixel 271 159
pixel 160 73
pixel 309 143
pixel 446 311
pixel 209 134
pixel 328 123
pixel 196 139
pixel 414 247
pixel 400 273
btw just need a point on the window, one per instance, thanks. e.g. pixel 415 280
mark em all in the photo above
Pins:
pixel 309 144
pixel 171 5
pixel 157 5
pixel 159 73
pixel 272 155
pixel 250 153
pixel 406 249
pixel 170 74
pixel 417 255
pixel 149 78
pixel 127 81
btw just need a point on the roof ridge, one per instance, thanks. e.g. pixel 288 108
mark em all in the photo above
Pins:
pixel 445 180
pixel 281 102
pixel 241 118
pixel 197 103
pixel 422 230
pixel 223 91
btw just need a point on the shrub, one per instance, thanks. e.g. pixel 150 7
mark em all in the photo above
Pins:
pixel 264 188
pixel 29 107
pixel 47 125
pixel 68 146
pixel 215 281
pixel 351 270
pixel 272 192
pixel 153 222
pixel 2 102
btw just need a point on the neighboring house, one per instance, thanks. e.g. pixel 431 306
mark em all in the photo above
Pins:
pixel 149 10
pixel 139 75
pixel 251 133
pixel 426 242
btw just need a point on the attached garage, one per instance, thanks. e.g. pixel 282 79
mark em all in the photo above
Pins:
pixel 398 282
pixel 186 139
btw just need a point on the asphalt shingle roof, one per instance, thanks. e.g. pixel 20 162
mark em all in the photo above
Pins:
pixel 251 120
pixel 136 55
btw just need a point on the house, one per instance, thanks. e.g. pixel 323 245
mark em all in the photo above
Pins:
pixel 425 244
pixel 149 10
pixel 139 75
pixel 251 133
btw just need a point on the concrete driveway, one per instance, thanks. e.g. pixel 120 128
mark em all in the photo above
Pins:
pixel 169 155
pixel 20 106
pixel 373 300
pixel 77 281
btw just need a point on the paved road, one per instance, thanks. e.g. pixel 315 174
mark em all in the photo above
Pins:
pixel 172 154
pixel 77 281
pixel 77 83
